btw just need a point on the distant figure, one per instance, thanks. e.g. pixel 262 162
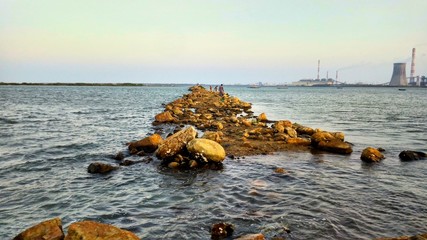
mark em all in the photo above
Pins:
pixel 216 89
pixel 221 90
pixel 210 88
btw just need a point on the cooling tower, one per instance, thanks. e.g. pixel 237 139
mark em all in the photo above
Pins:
pixel 399 75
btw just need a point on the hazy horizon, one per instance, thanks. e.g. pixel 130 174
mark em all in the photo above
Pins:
pixel 209 42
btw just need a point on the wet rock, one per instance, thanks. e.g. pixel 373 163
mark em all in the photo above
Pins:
pixel 87 230
pixel 335 146
pixel 99 167
pixel 302 130
pixel 119 156
pixel 246 122
pixel 412 155
pixel 173 165
pixel 127 162
pixel 280 170
pixel 221 230
pixel 209 149
pixel 164 117
pixel 371 154
pixel 148 144
pixel 47 230
pixel 256 236
pixel 175 143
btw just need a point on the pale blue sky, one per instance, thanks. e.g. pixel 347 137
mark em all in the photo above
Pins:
pixel 221 41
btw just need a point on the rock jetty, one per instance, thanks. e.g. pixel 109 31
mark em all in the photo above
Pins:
pixel 230 122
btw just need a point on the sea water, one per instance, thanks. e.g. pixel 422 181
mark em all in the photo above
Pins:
pixel 50 134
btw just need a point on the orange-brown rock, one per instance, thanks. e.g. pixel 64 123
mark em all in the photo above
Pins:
pixel 148 144
pixel 335 146
pixel 280 170
pixel 47 230
pixel 175 143
pixel 299 141
pixel 164 117
pixel 321 136
pixel 214 136
pixel 371 154
pixel 262 117
pixel 88 230
pixel 256 236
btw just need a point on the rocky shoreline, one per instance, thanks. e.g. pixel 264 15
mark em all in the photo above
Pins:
pixel 205 129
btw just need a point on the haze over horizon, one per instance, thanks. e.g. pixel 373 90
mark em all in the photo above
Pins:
pixel 209 42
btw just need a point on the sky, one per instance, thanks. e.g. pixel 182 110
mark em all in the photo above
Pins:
pixel 209 41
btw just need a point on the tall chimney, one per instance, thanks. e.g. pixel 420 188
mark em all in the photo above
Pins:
pixel 336 76
pixel 399 75
pixel 318 69
pixel 411 78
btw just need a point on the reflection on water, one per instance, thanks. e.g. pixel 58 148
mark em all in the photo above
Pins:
pixel 49 135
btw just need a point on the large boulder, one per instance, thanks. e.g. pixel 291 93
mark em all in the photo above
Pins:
pixel 209 149
pixel 175 143
pixel 371 154
pixel 214 136
pixel 99 167
pixel 88 230
pixel 335 146
pixel 412 155
pixel 331 142
pixel 148 144
pixel 164 117
pixel 318 137
pixel 47 230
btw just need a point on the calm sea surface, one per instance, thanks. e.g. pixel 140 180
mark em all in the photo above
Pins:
pixel 49 135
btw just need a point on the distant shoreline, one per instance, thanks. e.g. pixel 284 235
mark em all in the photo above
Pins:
pixel 90 84
pixel 186 84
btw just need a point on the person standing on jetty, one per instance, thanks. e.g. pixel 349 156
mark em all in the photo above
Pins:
pixel 221 90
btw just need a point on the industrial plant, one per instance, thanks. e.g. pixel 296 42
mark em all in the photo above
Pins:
pixel 398 78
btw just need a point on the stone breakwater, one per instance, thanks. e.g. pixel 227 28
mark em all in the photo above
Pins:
pixel 230 122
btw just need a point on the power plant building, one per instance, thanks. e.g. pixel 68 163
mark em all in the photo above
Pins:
pixel 399 75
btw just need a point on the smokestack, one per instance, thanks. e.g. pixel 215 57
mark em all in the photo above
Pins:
pixel 318 69
pixel 336 76
pixel 327 75
pixel 411 79
pixel 399 75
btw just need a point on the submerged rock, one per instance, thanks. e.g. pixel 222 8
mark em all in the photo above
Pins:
pixel 371 154
pixel 47 230
pixel 412 155
pixel 99 167
pixel 221 230
pixel 209 149
pixel 88 230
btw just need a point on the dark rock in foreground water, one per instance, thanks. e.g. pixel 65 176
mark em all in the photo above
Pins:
pixel 98 167
pixel 412 155
pixel 221 230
